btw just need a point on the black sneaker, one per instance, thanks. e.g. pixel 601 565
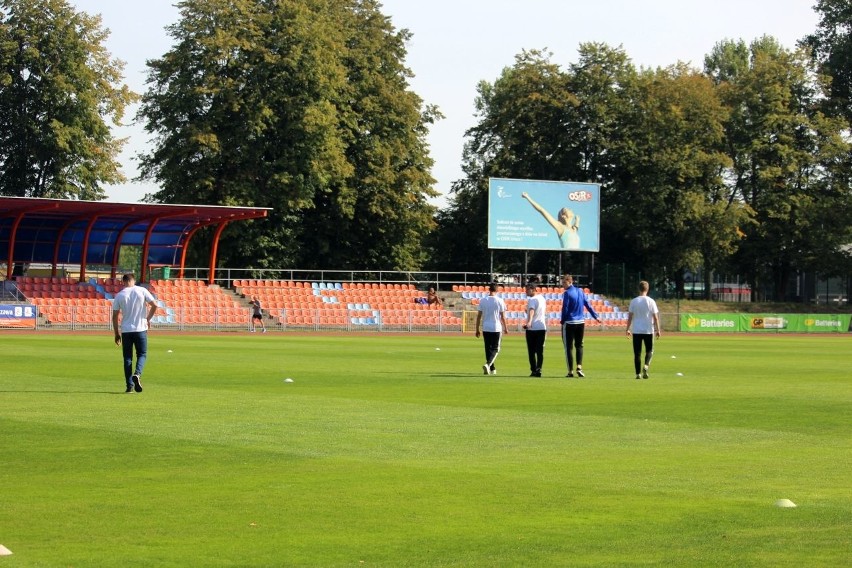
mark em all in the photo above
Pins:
pixel 137 384
pixel 570 375
pixel 129 389
pixel 645 374
pixel 580 373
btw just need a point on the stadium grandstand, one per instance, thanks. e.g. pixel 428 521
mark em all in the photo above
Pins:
pixel 192 304
pixel 62 271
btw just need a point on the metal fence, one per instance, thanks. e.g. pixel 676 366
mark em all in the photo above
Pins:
pixel 72 317
pixel 98 318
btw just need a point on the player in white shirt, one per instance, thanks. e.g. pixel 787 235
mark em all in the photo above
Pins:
pixel 643 322
pixel 131 302
pixel 491 324
pixel 536 328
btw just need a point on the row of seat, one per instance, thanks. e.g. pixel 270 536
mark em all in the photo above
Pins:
pixel 56 314
pixel 354 303
pixel 69 289
pixel 381 320
pixel 511 289
pixel 199 300
pixel 45 280
pixel 202 303
pixel 191 301
pixel 600 306
pixel 327 292
pixel 63 315
pixel 66 301
pixel 178 283
pixel 322 285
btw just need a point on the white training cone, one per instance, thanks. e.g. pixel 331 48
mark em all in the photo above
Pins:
pixel 288 380
pixel 784 503
pixel 5 551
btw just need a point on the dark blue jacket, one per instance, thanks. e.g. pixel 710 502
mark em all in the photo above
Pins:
pixel 573 302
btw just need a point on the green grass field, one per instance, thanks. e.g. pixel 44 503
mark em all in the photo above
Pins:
pixel 395 450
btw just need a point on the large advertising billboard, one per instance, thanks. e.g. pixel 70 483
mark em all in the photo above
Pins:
pixel 543 215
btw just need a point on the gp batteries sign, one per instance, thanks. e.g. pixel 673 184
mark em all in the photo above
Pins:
pixel 767 323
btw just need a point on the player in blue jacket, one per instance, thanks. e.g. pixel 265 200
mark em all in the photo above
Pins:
pixel 574 323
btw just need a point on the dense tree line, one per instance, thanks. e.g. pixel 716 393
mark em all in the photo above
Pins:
pixel 742 167
pixel 304 106
pixel 299 105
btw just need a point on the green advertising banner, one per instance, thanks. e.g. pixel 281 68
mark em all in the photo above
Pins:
pixel 710 322
pixel 766 323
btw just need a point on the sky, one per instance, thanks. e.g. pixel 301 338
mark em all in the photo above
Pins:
pixel 458 43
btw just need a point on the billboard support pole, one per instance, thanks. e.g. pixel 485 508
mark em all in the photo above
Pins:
pixel 592 273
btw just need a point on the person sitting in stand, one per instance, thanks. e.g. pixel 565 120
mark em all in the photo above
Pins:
pixel 432 297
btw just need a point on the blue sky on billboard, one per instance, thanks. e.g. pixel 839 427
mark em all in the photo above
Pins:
pixel 543 215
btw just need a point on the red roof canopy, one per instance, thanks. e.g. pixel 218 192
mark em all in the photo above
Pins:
pixel 56 231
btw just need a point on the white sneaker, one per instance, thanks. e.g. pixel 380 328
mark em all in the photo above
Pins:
pixel 486 370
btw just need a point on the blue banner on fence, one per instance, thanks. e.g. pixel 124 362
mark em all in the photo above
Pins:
pixel 18 315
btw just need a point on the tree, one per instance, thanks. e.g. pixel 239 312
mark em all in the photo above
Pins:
pixel 536 121
pixel 831 48
pixel 789 160
pixel 668 200
pixel 242 120
pixel 599 81
pixel 302 106
pixel 58 89
pixel 382 206
pixel 459 242
pixel 519 135
pixel 736 166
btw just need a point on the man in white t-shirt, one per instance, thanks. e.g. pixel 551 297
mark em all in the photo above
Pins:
pixel 491 323
pixel 644 320
pixel 536 328
pixel 131 302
